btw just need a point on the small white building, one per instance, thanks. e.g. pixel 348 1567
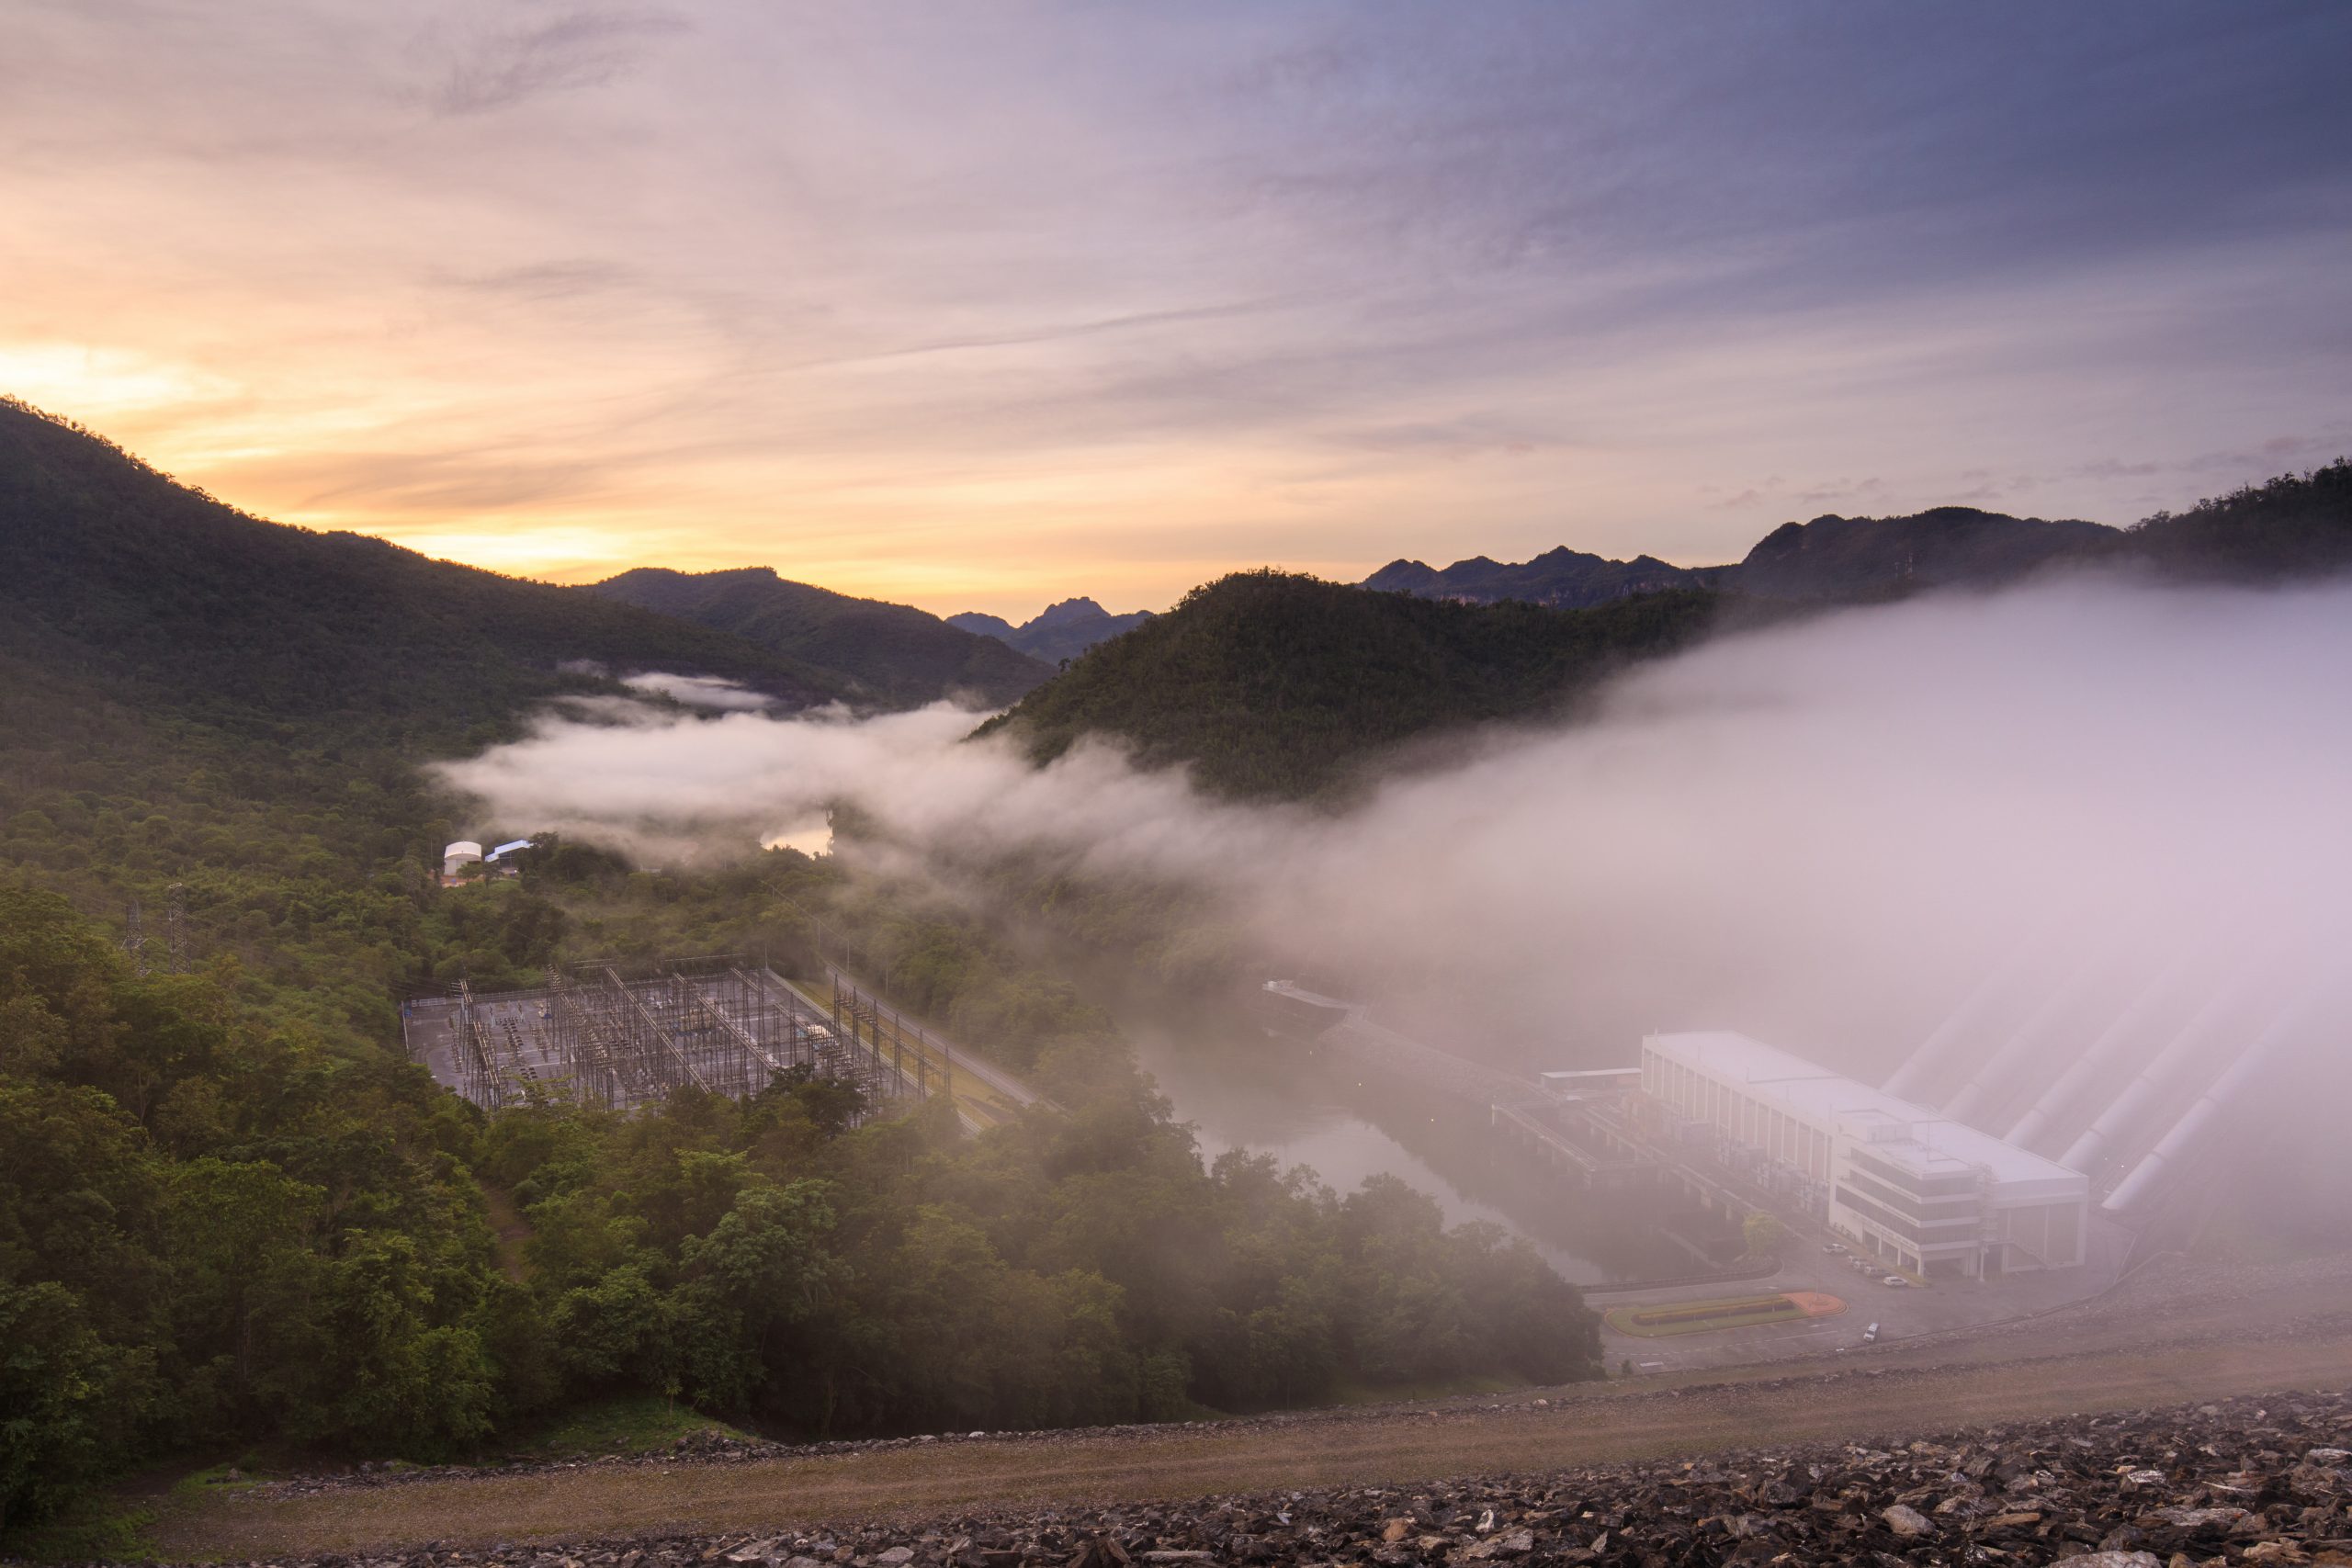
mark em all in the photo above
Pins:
pixel 456 858
pixel 1929 1194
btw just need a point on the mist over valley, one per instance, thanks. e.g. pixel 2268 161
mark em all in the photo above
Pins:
pixel 791 787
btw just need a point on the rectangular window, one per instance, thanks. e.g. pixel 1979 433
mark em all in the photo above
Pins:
pixel 1909 1230
pixel 1919 1210
pixel 1962 1186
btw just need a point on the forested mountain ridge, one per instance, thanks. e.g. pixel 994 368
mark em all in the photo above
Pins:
pixel 1059 631
pixel 1834 558
pixel 900 654
pixel 1271 684
pixel 113 575
pixel 1830 559
pixel 1561 579
pixel 2298 525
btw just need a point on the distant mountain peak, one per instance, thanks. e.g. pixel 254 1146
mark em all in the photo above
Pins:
pixel 1400 577
pixel 1068 611
pixel 1062 630
pixel 894 652
pixel 1562 577
pixel 1830 558
pixel 981 622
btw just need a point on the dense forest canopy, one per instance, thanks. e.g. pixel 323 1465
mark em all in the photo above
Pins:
pixel 217 1228
pixel 2295 526
pixel 231 1210
pixel 1271 684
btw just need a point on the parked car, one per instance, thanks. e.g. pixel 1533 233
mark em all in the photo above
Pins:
pixel 1833 1248
pixel 1870 1335
pixel 1895 1280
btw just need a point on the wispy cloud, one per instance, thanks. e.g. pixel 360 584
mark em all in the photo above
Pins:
pixel 960 306
pixel 563 51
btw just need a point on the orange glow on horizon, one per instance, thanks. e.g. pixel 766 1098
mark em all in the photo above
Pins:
pixel 992 311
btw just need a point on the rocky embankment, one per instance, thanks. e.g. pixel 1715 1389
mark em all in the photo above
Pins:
pixel 2255 1481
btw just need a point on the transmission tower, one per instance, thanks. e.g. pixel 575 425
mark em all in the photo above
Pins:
pixel 134 941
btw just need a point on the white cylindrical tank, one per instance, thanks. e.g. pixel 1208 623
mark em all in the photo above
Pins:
pixel 464 851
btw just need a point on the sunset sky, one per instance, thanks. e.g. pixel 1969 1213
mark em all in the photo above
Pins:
pixel 978 305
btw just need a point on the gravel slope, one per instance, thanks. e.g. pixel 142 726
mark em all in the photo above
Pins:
pixel 2192 1338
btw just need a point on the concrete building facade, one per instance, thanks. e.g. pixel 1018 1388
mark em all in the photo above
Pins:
pixel 1917 1190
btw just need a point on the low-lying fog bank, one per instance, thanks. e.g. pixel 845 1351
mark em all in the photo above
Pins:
pixel 2040 809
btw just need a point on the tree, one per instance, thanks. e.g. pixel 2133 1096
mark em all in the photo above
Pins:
pixel 1764 1234
pixel 72 1407
pixel 239 1237
pixel 762 1268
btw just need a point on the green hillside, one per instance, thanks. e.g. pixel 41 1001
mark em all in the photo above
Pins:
pixel 1275 685
pixel 237 1225
pixel 1838 559
pixel 1279 686
pixel 894 652
pixel 113 576
pixel 192 695
pixel 2295 526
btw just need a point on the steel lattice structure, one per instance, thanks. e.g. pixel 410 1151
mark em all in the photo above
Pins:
pixel 617 1036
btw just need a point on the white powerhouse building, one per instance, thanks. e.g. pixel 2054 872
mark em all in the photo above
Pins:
pixel 1929 1194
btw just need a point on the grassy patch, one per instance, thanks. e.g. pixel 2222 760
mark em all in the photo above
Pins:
pixel 1662 1320
pixel 98 1529
pixel 636 1424
pixel 114 1525
pixel 212 1481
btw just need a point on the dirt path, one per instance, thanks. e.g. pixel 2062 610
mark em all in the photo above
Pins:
pixel 1591 1427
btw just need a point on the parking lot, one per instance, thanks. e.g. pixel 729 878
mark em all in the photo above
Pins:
pixel 1900 1311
